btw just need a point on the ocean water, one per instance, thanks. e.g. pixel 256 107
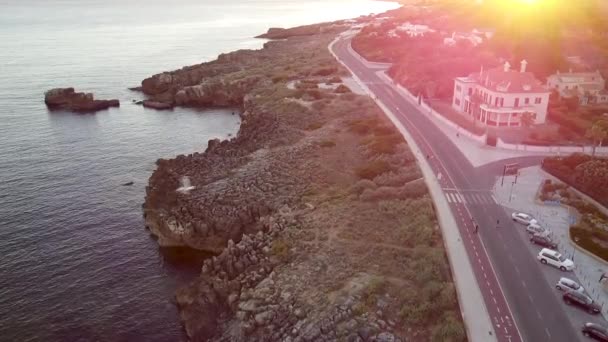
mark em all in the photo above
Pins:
pixel 76 263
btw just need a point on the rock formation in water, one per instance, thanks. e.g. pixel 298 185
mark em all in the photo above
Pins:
pixel 68 99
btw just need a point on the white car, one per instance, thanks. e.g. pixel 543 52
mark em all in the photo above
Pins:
pixel 566 284
pixel 536 229
pixel 523 218
pixel 554 258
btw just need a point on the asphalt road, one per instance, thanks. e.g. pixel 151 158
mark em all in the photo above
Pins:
pixel 519 298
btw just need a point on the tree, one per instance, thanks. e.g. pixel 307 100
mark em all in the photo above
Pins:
pixel 527 120
pixel 431 87
pixel 597 133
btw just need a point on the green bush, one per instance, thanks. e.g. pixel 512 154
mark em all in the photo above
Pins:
pixel 373 169
pixel 448 329
pixel 281 249
pixel 327 143
pixel 314 126
pixel 325 71
pixel 342 89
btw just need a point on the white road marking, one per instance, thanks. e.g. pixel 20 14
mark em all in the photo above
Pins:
pixel 448 198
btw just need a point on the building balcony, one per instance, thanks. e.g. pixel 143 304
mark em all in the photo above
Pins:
pixel 496 109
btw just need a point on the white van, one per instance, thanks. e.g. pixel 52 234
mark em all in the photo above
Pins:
pixel 554 258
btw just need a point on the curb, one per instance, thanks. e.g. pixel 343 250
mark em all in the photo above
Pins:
pixel 477 328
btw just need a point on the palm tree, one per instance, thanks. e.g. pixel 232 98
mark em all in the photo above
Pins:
pixel 597 133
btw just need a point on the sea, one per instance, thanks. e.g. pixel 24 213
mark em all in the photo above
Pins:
pixel 76 263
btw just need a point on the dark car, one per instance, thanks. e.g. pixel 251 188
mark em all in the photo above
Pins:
pixel 595 331
pixel 583 301
pixel 543 241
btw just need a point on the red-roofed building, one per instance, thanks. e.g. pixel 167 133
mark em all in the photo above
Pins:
pixel 499 97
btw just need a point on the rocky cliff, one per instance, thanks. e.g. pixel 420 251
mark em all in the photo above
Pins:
pixel 315 210
pixel 68 99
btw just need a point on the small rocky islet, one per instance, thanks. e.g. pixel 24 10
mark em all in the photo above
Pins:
pixel 69 100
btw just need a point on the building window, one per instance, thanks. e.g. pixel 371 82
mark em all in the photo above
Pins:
pixel 516 102
pixel 496 101
pixel 470 91
pixel 538 100
pixel 457 102
pixel 458 88
pixel 566 87
pixel 502 102
pixel 527 100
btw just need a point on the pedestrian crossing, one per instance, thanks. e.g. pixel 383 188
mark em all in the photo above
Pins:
pixel 473 198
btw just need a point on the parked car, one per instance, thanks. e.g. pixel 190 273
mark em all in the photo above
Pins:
pixel 595 331
pixel 554 258
pixel 543 241
pixel 566 284
pixel 536 229
pixel 583 301
pixel 523 218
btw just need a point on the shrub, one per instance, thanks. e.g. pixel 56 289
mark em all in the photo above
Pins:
pixel 373 169
pixel 334 79
pixel 448 329
pixel 342 89
pixel 314 126
pixel 415 189
pixel 362 126
pixel 363 185
pixel 325 71
pixel 327 143
pixel 281 249
pixel 281 77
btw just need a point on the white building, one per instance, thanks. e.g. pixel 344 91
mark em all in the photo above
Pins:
pixel 463 36
pixel 499 97
pixel 412 30
pixel 588 86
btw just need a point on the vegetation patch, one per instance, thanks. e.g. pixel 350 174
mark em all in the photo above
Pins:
pixel 373 169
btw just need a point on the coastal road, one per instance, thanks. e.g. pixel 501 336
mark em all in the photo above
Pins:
pixel 521 303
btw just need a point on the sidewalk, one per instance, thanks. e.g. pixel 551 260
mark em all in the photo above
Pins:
pixel 521 197
pixel 473 309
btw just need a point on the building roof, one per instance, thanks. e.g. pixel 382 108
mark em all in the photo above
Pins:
pixel 591 87
pixel 578 77
pixel 511 81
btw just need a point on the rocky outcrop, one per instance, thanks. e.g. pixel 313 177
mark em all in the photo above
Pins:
pixel 157 105
pixel 68 99
pixel 307 30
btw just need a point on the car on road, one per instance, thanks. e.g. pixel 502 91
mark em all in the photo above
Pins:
pixel 543 241
pixel 595 331
pixel 554 258
pixel 536 229
pixel 523 218
pixel 583 301
pixel 566 284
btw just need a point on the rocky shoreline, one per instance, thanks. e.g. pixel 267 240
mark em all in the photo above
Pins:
pixel 316 212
